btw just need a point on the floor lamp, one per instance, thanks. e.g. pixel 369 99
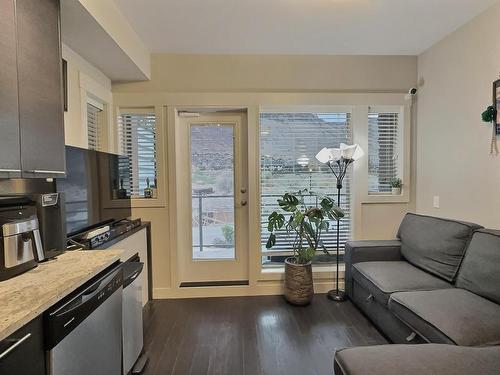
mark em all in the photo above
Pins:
pixel 339 160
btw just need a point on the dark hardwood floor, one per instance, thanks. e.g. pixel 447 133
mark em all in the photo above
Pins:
pixel 250 335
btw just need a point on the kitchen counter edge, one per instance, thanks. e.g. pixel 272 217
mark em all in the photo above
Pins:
pixel 26 296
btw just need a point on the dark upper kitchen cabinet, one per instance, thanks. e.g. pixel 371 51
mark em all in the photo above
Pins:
pixel 40 88
pixel 23 353
pixel 10 152
pixel 31 106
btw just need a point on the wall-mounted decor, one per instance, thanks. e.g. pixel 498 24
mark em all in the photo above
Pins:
pixel 492 116
pixel 496 105
pixel 489 116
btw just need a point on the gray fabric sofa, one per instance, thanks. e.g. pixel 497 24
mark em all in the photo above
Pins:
pixel 439 282
pixel 429 359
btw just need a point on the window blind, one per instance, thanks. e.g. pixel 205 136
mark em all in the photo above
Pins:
pixel 137 134
pixel 383 139
pixel 289 143
pixel 93 126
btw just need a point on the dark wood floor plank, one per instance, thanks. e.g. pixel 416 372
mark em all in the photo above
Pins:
pixel 250 336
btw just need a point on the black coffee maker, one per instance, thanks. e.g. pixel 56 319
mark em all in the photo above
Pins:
pixel 20 243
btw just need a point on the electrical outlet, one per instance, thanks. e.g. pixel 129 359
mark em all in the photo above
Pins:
pixel 436 201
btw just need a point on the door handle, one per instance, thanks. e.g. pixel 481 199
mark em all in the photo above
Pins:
pixel 6 170
pixel 15 345
pixel 42 171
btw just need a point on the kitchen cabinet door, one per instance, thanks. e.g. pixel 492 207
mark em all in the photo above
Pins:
pixel 23 353
pixel 40 88
pixel 10 152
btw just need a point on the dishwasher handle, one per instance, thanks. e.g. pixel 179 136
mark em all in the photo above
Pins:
pixel 131 270
pixel 106 283
pixel 100 288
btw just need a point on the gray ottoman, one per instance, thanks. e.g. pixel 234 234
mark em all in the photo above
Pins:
pixel 429 359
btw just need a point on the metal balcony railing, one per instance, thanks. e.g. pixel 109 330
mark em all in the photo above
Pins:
pixel 218 210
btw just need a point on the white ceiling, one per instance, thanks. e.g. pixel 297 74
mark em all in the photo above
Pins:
pixel 358 27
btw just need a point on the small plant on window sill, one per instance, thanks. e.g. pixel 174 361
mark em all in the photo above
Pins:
pixel 148 191
pixel 306 224
pixel 396 185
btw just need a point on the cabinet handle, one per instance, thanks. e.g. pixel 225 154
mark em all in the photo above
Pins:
pixel 10 170
pixel 15 345
pixel 46 172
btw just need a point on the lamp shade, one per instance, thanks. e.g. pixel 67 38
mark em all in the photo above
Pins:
pixel 347 152
pixel 327 155
pixel 351 152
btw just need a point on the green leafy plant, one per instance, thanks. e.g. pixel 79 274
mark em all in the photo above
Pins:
pixel 489 114
pixel 228 233
pixel 305 223
pixel 396 182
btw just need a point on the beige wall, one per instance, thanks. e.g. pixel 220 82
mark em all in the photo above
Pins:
pixel 453 159
pixel 263 73
pixel 252 82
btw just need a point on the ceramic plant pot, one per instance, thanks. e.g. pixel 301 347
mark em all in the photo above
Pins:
pixel 396 191
pixel 299 287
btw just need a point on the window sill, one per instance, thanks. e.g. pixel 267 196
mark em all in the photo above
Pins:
pixel 387 198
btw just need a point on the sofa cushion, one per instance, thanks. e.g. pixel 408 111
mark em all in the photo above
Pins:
pixel 384 278
pixel 480 270
pixel 432 359
pixel 450 316
pixel 434 244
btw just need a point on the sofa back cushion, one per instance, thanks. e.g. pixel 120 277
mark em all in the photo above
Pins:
pixel 434 244
pixel 480 270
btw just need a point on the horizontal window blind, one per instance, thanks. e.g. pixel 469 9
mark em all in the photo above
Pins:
pixel 137 133
pixel 93 127
pixel 383 138
pixel 289 143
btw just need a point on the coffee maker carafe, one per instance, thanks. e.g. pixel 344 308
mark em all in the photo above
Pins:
pixel 20 243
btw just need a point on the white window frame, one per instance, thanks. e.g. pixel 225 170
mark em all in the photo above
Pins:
pixel 399 142
pixel 404 155
pixel 161 159
pixel 94 93
pixel 267 269
pixel 100 123
pixel 359 190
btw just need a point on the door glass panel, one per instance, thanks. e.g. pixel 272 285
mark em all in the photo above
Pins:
pixel 212 184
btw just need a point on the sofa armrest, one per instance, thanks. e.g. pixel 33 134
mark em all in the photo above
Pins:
pixel 372 251
pixel 368 251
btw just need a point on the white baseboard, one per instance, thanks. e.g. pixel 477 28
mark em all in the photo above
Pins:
pixel 262 289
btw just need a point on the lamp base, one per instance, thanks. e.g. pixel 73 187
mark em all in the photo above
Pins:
pixel 336 295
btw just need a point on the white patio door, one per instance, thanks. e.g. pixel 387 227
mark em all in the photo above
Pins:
pixel 213 247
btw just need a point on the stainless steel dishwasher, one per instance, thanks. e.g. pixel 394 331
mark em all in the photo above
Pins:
pixel 84 331
pixel 134 359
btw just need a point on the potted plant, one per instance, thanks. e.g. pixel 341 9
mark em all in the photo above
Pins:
pixel 396 185
pixel 306 224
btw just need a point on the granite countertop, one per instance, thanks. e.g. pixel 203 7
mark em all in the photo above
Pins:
pixel 26 296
